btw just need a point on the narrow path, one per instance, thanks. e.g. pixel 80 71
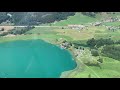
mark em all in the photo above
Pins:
pixel 86 67
pixel 93 71
pixel 90 68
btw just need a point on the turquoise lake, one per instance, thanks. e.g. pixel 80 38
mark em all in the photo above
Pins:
pixel 33 59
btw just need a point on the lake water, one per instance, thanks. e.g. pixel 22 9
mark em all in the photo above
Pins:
pixel 33 59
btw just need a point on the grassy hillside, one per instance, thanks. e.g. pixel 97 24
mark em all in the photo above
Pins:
pixel 78 18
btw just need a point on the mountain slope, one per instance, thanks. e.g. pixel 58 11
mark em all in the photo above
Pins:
pixel 33 18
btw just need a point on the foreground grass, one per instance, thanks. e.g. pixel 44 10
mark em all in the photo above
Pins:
pixel 110 69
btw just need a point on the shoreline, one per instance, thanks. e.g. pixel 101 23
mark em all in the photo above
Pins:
pixel 63 74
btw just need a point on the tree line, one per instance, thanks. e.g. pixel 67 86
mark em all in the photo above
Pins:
pixel 99 42
pixel 111 51
pixel 110 48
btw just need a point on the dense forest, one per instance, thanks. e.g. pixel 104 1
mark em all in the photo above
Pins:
pixel 33 18
pixel 111 51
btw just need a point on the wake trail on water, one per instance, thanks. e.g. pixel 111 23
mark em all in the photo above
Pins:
pixel 29 65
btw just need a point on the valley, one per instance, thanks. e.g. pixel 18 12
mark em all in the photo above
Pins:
pixel 91 41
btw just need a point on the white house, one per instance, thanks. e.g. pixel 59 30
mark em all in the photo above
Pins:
pixel 78 27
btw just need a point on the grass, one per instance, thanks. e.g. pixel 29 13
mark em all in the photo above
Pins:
pixel 110 69
pixel 75 34
pixel 49 38
pixel 112 23
pixel 78 18
pixel 42 30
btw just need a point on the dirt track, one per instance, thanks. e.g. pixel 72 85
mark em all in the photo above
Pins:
pixel 6 28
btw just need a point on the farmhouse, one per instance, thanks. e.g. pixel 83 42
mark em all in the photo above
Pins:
pixel 97 23
pixel 77 27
